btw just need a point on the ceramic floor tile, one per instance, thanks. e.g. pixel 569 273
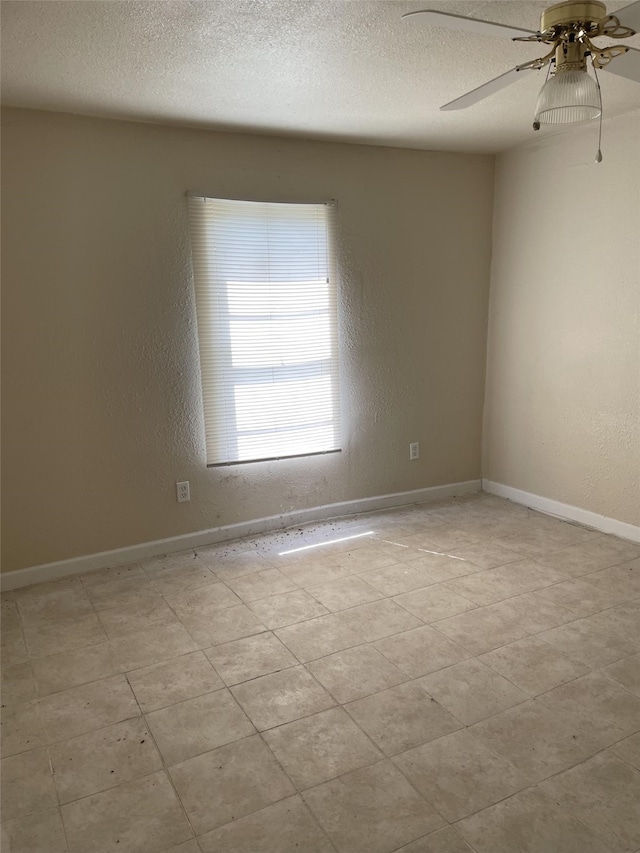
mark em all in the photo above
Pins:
pixel 484 628
pixel 345 593
pixel 229 783
pixel 471 691
pixel 495 625
pixel 281 544
pixel 9 616
pixel 414 536
pixel 385 542
pixel 421 651
pixel 261 584
pixel 174 580
pixel 198 725
pixel 459 775
pixel 445 840
pixel 121 592
pixel 136 616
pixel 371 810
pixel 434 512
pixel 538 740
pixel 401 718
pixel 63 635
pixel 581 597
pixel 18 684
pixel 354 673
pixel 533 665
pixel 319 637
pixel 487 554
pixel 112 573
pixel 398 578
pixel 598 553
pixel 286 609
pixel 444 538
pixel 339 535
pixel 142 816
pixel 626 672
pixel 168 562
pixel 22 728
pixel 223 626
pixel 537 542
pixel 281 697
pixel 603 793
pixel 492 585
pixel 536 614
pixel 529 822
pixel 312 572
pixel 285 827
pixel 54 673
pixel 173 681
pixel 251 657
pixel 364 559
pixel 443 567
pixel 401 534
pixel 379 619
pixel 434 602
pixel 624 579
pixel 404 598
pixel 86 708
pixel 14 649
pixel 39 593
pixel 229 565
pixel 201 604
pixel 36 833
pixel 628 749
pixel 541 521
pixel 492 528
pixel 586 642
pixel 621 622
pixel 153 646
pixel 191 846
pixel 27 784
pixel 60 599
pixel 103 759
pixel 610 709
pixel 321 747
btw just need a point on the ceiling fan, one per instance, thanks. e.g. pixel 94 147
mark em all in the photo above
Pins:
pixel 569 94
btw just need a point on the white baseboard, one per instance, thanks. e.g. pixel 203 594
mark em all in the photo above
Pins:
pixel 567 512
pixel 145 550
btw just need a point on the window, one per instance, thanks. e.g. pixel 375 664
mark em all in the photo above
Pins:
pixel 266 304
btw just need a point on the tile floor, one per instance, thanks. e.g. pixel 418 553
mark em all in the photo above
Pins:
pixel 441 678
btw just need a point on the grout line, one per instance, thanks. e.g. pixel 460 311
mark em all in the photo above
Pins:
pixel 163 764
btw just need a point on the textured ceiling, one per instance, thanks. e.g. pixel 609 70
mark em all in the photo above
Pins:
pixel 325 69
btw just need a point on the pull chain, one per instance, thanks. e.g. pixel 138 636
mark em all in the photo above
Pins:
pixel 536 123
pixel 599 152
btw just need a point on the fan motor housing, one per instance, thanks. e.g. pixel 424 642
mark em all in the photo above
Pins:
pixel 570 12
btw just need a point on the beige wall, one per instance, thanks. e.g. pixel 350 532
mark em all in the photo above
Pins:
pixel 102 409
pixel 562 415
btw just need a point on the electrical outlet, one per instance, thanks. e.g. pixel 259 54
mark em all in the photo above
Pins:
pixel 183 493
pixel 414 450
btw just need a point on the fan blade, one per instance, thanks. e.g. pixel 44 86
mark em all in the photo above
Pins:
pixel 629 16
pixel 627 65
pixel 486 89
pixel 431 18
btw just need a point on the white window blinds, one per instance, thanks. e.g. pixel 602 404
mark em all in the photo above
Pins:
pixel 267 330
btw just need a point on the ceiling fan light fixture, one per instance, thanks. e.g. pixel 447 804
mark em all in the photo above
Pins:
pixel 569 96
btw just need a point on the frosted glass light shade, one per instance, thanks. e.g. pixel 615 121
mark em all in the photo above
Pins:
pixel 568 96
